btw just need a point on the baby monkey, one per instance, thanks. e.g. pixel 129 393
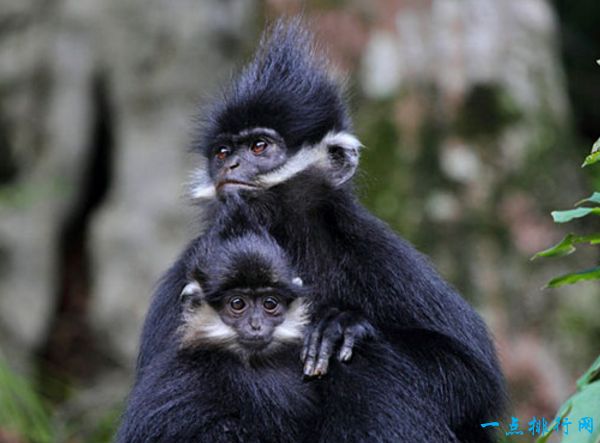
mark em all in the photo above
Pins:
pixel 246 300
pixel 235 375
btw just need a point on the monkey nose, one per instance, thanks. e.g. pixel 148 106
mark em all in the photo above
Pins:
pixel 233 165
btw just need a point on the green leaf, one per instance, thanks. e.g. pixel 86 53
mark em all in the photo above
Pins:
pixel 594 198
pixel 564 247
pixel 592 375
pixel 584 403
pixel 574 277
pixel 594 156
pixel 567 245
pixel 564 410
pixel 565 216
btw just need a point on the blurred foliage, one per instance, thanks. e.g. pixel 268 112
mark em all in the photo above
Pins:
pixel 580 42
pixel 22 412
pixel 26 416
pixel 387 180
pixel 106 427
pixel 486 112
pixel 27 194
pixel 580 38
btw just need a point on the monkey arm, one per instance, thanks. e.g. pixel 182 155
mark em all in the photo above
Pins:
pixel 376 278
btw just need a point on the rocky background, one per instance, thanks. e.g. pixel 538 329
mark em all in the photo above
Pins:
pixel 476 115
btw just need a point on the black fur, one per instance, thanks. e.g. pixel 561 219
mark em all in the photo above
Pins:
pixel 253 260
pixel 209 396
pixel 285 88
pixel 430 374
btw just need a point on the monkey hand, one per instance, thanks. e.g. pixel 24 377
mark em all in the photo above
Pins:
pixel 326 334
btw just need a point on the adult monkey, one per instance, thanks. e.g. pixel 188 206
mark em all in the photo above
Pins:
pixel 279 155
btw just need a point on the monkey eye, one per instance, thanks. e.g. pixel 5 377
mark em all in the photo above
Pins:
pixel 222 152
pixel 270 303
pixel 237 304
pixel 258 146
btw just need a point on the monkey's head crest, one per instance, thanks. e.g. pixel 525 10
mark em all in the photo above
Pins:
pixel 287 100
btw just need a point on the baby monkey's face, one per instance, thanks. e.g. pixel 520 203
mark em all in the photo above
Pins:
pixel 254 315
pixel 246 321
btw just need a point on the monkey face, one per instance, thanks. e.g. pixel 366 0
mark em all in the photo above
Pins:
pixel 243 297
pixel 247 322
pixel 254 318
pixel 236 162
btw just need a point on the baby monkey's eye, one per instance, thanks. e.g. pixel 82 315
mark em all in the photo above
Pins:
pixel 237 304
pixel 222 152
pixel 270 303
pixel 258 146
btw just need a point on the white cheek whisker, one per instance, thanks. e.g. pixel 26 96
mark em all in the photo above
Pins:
pixel 204 327
pixel 203 192
pixel 314 155
pixel 296 319
pixel 302 160
pixel 200 185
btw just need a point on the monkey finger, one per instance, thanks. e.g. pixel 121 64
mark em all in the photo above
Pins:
pixel 309 368
pixel 312 351
pixel 331 336
pixel 345 353
pixel 322 367
pixel 322 364
pixel 312 341
pixel 305 345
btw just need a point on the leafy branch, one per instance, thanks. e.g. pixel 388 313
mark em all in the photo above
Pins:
pixel 568 244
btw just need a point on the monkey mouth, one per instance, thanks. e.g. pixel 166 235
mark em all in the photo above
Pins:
pixel 235 184
pixel 254 345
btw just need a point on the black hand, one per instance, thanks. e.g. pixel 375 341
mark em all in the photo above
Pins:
pixel 326 334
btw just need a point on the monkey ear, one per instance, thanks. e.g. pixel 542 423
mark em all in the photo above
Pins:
pixel 192 289
pixel 343 150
